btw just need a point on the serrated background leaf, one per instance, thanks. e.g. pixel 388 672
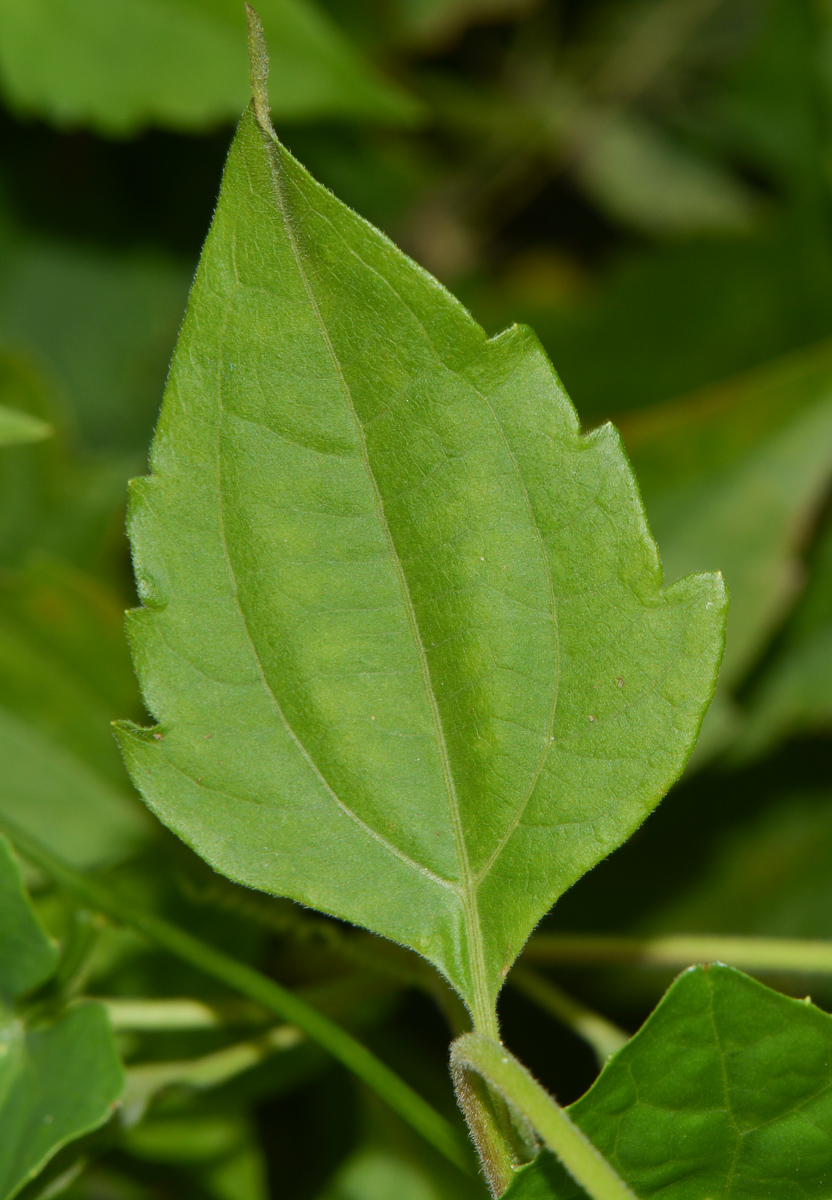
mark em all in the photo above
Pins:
pixel 404 629
pixel 725 1091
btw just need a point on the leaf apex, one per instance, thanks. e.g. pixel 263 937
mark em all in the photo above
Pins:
pixel 258 60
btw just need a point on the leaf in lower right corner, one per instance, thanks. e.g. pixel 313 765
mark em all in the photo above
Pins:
pixel 726 1088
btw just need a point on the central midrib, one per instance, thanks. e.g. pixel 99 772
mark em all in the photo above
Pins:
pixel 483 1009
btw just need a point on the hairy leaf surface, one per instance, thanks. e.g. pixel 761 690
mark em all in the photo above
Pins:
pixel 59 1079
pixel 403 627
pixel 725 1092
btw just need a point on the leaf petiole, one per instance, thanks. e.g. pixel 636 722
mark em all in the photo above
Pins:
pixel 502 1072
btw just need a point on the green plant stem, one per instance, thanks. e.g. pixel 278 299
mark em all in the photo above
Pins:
pixel 504 1073
pixel 603 1036
pixel 155 1015
pixel 257 987
pixel 144 1081
pixel 675 950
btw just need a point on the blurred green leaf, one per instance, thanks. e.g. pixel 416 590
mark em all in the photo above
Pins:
pixel 51 499
pixel 59 1078
pixel 379 1174
pixel 768 875
pixel 794 694
pixel 223 1148
pixel 21 427
pixel 64 675
pixel 100 325
pixel 361 520
pixel 54 794
pixel 28 955
pixel 639 175
pixel 726 1089
pixel 119 65
pixel 732 478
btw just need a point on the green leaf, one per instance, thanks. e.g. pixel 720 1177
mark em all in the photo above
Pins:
pixel 642 177
pixel 59 1079
pixel 50 498
pixel 733 476
pixel 28 956
pixel 404 629
pixel 726 1090
pixel 118 65
pixel 769 877
pixel 20 427
pixel 377 1174
pixel 64 674
pixel 794 695
pixel 99 324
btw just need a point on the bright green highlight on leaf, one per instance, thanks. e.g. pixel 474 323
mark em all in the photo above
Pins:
pixel 726 1092
pixel 403 627
pixel 59 1078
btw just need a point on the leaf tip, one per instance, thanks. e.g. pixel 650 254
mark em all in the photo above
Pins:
pixel 258 60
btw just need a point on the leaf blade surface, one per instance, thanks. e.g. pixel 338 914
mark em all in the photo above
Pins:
pixel 404 628
pixel 725 1091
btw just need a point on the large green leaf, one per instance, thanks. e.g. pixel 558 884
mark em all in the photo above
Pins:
pixel 404 629
pixel 120 64
pixel 59 1078
pixel 725 1092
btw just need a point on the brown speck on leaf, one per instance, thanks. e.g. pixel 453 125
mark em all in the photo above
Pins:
pixel 620 681
pixel 592 718
pixel 158 736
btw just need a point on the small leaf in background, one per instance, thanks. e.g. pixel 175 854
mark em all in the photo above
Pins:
pixel 726 1089
pixel 59 1079
pixel 404 629
pixel 734 476
pixel 119 65
pixel 638 175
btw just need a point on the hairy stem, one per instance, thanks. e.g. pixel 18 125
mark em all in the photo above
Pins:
pixel 502 1071
pixel 602 1035
pixel 257 987
pixel 680 950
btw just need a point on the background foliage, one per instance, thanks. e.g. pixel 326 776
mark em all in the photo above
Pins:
pixel 649 185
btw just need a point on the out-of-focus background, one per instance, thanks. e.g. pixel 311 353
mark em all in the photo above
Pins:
pixel 648 183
